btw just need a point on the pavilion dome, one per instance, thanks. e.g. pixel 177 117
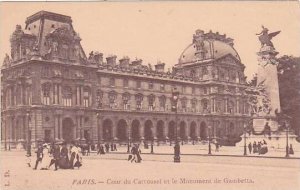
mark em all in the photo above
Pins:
pixel 207 47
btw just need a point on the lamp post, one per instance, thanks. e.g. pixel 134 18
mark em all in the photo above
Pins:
pixel 128 144
pixel 175 95
pixel 245 143
pixel 287 141
pixel 152 152
pixel 209 145
pixel 28 135
pixel 98 135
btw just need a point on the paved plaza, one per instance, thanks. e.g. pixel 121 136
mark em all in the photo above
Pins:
pixel 113 171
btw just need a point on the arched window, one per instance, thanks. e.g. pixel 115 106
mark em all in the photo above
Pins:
pixel 86 96
pixel 194 104
pixel 183 104
pixel 126 98
pixel 112 96
pixel 99 97
pixel 139 100
pixel 67 96
pixel 162 102
pixel 230 107
pixel 204 105
pixel 46 93
pixel 151 100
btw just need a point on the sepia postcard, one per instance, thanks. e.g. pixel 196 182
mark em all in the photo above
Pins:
pixel 150 95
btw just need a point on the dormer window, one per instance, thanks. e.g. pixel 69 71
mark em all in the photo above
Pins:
pixel 52 26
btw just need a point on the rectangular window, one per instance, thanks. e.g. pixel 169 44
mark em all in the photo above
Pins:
pixel 150 85
pixel 112 82
pixel 125 83
pixel 193 90
pixel 86 102
pixel 162 87
pixel 138 84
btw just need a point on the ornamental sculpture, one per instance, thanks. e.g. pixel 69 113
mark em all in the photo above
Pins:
pixel 265 37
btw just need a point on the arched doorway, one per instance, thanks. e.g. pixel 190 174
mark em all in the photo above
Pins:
pixel 160 130
pixel 68 130
pixel 171 130
pixel 193 134
pixel 135 130
pixel 148 130
pixel 203 131
pixel 182 133
pixel 121 130
pixel 107 129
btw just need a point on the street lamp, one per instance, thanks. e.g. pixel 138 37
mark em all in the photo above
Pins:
pixel 287 140
pixel 128 144
pixel 209 145
pixel 98 114
pixel 28 135
pixel 245 143
pixel 175 95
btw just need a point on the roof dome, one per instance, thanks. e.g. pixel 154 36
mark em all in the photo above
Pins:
pixel 207 47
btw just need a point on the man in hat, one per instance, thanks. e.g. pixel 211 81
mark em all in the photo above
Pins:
pixel 56 155
pixel 39 156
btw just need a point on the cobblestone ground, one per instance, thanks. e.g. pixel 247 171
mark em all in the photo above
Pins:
pixel 110 171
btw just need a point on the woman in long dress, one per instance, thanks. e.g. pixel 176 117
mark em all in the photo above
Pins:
pixel 46 157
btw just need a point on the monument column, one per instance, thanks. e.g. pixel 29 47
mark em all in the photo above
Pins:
pixel 267 83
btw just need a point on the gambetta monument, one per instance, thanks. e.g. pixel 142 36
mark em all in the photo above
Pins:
pixel 267 102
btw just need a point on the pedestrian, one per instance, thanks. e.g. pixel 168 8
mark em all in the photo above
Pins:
pixel 254 147
pixel 98 148
pixel 291 150
pixel 106 147
pixel 217 147
pixel 111 147
pixel 133 151
pixel 250 147
pixel 56 156
pixel 138 155
pixel 115 147
pixel 101 149
pixel 64 157
pixel 39 156
pixel 46 157
pixel 264 142
pixel 259 147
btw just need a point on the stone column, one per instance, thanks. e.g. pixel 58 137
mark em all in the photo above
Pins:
pixel 166 129
pixel 114 130
pixel 60 136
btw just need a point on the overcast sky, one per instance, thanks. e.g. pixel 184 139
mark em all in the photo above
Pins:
pixel 161 31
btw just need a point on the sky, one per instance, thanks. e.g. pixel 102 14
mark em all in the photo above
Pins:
pixel 160 31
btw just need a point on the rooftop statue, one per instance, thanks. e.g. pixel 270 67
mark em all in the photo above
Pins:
pixel 265 37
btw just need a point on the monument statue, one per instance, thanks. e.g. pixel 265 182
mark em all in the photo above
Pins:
pixel 265 37
pixel 267 100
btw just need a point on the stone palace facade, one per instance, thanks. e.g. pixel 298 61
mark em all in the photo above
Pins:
pixel 52 90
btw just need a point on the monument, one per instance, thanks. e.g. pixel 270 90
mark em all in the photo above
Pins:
pixel 267 101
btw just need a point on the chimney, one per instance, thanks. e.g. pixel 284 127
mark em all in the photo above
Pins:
pixel 137 62
pixel 124 62
pixel 160 67
pixel 111 60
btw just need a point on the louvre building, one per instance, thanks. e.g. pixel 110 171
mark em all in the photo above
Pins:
pixel 53 90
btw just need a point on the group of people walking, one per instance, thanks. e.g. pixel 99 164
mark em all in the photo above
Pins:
pixel 61 154
pixel 102 149
pixel 135 155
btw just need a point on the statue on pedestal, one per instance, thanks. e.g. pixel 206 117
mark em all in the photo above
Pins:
pixel 265 37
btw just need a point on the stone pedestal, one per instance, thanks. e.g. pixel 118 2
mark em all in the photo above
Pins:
pixel 267 79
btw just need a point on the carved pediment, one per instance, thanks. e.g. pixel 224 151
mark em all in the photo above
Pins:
pixel 229 60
